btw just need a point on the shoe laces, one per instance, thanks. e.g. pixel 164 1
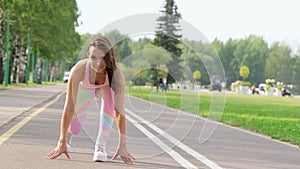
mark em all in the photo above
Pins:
pixel 100 148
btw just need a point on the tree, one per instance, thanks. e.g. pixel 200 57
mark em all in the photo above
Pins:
pixel 146 64
pixel 157 57
pixel 42 20
pixel 244 72
pixel 2 19
pixel 197 75
pixel 226 54
pixel 167 37
pixel 279 63
pixel 121 43
pixel 251 51
pixel 139 44
pixel 196 55
pixel 80 52
pixel 296 73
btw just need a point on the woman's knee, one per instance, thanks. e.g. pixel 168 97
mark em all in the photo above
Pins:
pixel 76 126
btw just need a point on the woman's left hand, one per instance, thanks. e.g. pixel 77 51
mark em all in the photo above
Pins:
pixel 124 154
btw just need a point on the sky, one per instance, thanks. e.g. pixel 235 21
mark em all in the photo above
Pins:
pixel 274 20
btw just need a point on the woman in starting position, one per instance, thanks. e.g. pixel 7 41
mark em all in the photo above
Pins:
pixel 97 76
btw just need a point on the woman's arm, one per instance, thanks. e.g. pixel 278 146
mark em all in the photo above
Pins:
pixel 69 108
pixel 120 116
pixel 118 85
pixel 119 98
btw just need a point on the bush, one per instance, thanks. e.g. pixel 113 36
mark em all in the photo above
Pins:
pixel 246 84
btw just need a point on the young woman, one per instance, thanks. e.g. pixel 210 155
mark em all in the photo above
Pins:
pixel 98 76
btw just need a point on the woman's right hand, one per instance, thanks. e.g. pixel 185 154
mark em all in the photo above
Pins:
pixel 60 149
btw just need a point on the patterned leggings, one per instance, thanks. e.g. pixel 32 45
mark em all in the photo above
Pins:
pixel 83 102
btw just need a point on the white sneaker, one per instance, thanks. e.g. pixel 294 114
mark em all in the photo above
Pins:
pixel 69 139
pixel 69 147
pixel 100 154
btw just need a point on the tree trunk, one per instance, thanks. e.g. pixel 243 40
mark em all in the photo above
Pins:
pixel 16 55
pixel 57 70
pixel 39 71
pixel 12 57
pixel 1 47
pixel 23 61
pixel 52 72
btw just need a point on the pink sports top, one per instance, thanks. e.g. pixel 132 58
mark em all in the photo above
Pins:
pixel 86 82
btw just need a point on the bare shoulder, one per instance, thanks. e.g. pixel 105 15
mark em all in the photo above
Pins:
pixel 118 69
pixel 79 66
pixel 119 75
pixel 118 81
pixel 77 71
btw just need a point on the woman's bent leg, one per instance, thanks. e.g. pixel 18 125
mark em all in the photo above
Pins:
pixel 83 102
pixel 106 116
pixel 105 125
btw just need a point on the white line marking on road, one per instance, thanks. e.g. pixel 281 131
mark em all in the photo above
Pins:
pixel 176 142
pixel 223 124
pixel 182 161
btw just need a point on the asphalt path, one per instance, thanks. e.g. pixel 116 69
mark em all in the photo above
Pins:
pixel 157 136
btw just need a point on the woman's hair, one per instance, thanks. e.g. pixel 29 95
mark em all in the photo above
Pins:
pixel 104 44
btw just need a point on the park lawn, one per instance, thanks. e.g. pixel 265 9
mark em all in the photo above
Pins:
pixel 277 117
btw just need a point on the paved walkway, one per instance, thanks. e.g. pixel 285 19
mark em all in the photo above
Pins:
pixel 14 102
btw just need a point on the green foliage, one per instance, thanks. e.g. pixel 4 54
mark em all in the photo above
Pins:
pixel 226 53
pixel 121 44
pixel 157 57
pixel 197 75
pixel 146 65
pixel 51 25
pixel 244 71
pixel 252 51
pixel 167 37
pixel 196 61
pixel 249 84
pixel 80 52
pixel 139 44
pixel 235 53
pixel 296 73
pixel 141 78
pixel 278 64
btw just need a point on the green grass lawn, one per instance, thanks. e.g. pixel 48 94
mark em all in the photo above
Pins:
pixel 278 117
